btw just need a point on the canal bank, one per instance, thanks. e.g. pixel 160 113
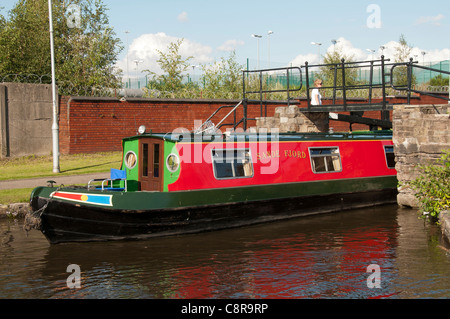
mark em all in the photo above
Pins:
pixel 420 134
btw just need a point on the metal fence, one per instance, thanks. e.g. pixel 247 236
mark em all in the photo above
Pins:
pixel 421 76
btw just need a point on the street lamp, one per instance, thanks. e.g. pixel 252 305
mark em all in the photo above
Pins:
pixel 382 49
pixel 55 125
pixel 137 70
pixel 423 57
pixel 128 50
pixel 371 52
pixel 318 45
pixel 257 37
pixel 334 44
pixel 423 62
pixel 268 34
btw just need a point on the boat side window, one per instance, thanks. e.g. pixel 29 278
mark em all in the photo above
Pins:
pixel 325 159
pixel 232 163
pixel 390 156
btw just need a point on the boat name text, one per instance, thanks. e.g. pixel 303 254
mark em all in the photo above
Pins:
pixel 286 153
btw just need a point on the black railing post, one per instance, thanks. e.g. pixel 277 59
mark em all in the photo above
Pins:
pixel 334 84
pixel 245 114
pixel 409 73
pixel 307 86
pixel 243 85
pixel 384 113
pixel 383 83
pixel 370 82
pixel 260 91
pixel 344 94
pixel 287 83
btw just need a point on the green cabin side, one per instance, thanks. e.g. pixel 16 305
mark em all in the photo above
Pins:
pixel 151 163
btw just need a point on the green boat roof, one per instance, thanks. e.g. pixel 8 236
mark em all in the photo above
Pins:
pixel 285 137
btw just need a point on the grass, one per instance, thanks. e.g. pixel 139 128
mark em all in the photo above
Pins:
pixel 19 195
pixel 42 166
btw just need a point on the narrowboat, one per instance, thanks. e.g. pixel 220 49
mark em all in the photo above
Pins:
pixel 183 183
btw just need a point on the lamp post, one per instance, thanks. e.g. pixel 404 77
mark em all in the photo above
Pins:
pixel 137 70
pixel 55 125
pixel 334 44
pixel 257 37
pixel 423 63
pixel 318 46
pixel 128 50
pixel 268 34
pixel 371 53
pixel 382 49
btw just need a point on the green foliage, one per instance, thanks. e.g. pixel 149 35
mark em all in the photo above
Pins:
pixel 173 65
pixel 223 79
pixel 327 73
pixel 402 54
pixel 439 80
pixel 85 55
pixel 433 186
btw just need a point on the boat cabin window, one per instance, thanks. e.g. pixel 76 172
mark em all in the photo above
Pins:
pixel 232 163
pixel 325 160
pixel 390 156
pixel 156 160
pixel 145 160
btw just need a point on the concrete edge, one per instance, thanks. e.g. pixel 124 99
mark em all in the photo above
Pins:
pixel 14 211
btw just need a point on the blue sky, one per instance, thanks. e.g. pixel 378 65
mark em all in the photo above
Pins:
pixel 212 28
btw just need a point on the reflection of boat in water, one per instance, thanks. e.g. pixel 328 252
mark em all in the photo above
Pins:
pixel 178 184
pixel 307 257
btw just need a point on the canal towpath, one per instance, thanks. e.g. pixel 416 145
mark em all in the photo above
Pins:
pixel 19 210
pixel 42 181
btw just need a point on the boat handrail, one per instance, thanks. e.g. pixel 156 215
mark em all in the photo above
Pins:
pixel 209 127
pixel 234 108
pixel 105 180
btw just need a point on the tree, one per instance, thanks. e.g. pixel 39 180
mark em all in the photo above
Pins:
pixel 402 54
pixel 328 73
pixel 85 54
pixel 173 65
pixel 223 79
pixel 439 80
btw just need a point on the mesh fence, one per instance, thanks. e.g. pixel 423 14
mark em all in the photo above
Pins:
pixel 428 80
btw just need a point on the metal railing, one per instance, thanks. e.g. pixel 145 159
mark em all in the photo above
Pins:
pixel 409 87
pixel 254 82
pixel 340 84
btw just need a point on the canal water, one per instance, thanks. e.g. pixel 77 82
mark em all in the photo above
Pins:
pixel 382 252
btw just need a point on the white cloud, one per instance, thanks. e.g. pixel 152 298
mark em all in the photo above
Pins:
pixel 434 20
pixel 300 59
pixel 183 17
pixel 230 45
pixel 348 50
pixel 343 45
pixel 364 54
pixel 145 48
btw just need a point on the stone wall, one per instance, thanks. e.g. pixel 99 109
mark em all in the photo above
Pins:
pixel 421 133
pixel 290 119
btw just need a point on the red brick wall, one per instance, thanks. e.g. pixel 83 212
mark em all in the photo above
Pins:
pixel 90 125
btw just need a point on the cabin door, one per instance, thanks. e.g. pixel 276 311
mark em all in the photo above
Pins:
pixel 150 164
